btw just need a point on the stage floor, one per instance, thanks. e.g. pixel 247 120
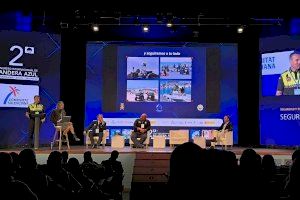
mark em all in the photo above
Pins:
pixel 81 149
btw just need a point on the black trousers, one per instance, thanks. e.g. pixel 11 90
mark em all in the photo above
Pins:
pixel 92 134
pixel 31 131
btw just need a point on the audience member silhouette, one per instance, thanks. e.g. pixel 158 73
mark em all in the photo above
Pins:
pixel 29 174
pixel 61 176
pixel 114 175
pixel 65 157
pixel 186 171
pixel 10 188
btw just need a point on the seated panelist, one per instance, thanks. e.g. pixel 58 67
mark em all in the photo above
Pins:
pixel 96 128
pixel 221 131
pixel 140 129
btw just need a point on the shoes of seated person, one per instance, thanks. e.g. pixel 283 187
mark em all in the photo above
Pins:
pixel 76 138
pixel 94 146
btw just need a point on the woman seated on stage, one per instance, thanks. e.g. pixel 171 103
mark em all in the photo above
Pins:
pixel 56 117
pixel 221 131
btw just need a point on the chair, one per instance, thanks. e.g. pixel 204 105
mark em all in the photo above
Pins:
pixel 147 141
pixel 178 137
pixel 96 138
pixel 225 140
pixel 58 130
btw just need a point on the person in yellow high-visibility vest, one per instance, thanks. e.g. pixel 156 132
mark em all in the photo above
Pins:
pixel 34 107
pixel 289 81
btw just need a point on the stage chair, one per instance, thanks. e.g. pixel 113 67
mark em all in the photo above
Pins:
pixel 146 143
pixel 201 141
pixel 96 138
pixel 59 133
pixel 226 139
pixel 117 141
pixel 178 137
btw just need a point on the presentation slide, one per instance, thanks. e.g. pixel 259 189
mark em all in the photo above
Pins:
pixel 280 86
pixel 178 85
pixel 29 66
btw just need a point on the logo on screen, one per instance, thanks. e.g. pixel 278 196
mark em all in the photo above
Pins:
pixel 13 91
pixel 20 96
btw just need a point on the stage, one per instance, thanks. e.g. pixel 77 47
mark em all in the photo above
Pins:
pixel 278 154
pixel 133 160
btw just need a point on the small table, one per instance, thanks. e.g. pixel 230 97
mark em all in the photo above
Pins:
pixel 159 141
pixel 117 141
pixel 201 141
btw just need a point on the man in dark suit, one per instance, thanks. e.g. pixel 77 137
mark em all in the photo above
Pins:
pixel 141 127
pixel 96 128
pixel 225 127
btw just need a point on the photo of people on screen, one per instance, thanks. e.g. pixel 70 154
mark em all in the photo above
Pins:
pixel 175 91
pixel 142 91
pixel 142 68
pixel 175 67
pixel 289 80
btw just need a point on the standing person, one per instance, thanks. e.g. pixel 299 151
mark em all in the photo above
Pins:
pixel 36 106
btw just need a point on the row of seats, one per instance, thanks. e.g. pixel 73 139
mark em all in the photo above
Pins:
pixel 176 137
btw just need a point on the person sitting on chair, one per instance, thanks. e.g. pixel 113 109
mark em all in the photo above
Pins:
pixel 141 127
pixel 56 117
pixel 225 127
pixel 96 128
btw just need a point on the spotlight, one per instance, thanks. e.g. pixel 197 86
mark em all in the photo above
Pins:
pixel 145 29
pixel 95 28
pixel 240 29
pixel 169 24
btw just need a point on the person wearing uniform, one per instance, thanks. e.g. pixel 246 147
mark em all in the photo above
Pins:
pixel 96 128
pixel 32 108
pixel 289 81
pixel 56 117
pixel 141 127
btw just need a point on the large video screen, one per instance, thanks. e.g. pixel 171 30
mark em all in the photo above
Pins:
pixel 280 90
pixel 178 85
pixel 29 66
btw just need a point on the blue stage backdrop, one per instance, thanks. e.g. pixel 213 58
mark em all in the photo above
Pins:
pixel 279 115
pixel 29 65
pixel 179 85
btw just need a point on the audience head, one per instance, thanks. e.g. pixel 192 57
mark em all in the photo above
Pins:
pixel 87 156
pixel 65 156
pixel 185 163
pixel 54 160
pixel 15 159
pixel 73 165
pixel 114 155
pixel 268 162
pixel 27 159
pixel 296 154
pixel 6 165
